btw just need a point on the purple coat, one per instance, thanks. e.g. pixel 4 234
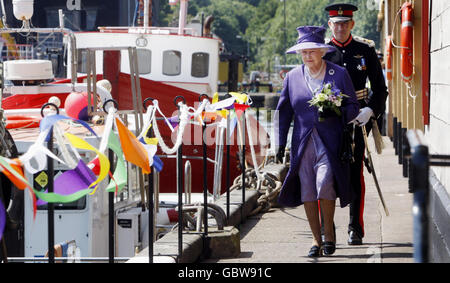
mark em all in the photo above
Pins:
pixel 294 103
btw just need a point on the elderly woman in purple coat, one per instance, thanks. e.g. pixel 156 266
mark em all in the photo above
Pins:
pixel 316 172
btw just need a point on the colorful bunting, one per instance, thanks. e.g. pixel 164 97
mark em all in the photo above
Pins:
pixel 72 181
pixel 215 98
pixel 133 150
pixel 119 179
pixel 240 108
pixel 174 121
pixel 12 173
pixel 104 162
pixel 48 121
pixel 240 97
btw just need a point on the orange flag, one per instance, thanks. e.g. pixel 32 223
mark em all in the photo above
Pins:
pixel 132 148
pixel 16 181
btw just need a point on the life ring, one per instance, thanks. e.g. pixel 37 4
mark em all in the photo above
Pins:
pixel 283 73
pixel 389 58
pixel 21 121
pixel 406 53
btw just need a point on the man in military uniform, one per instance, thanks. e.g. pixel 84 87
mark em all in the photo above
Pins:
pixel 359 57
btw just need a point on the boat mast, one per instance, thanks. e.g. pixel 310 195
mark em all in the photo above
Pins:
pixel 183 14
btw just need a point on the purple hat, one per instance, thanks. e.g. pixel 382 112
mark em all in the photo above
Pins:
pixel 310 37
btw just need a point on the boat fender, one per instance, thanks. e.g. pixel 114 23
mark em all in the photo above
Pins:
pixel 21 121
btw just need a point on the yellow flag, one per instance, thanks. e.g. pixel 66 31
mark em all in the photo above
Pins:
pixel 240 97
pixel 104 162
pixel 222 113
pixel 215 98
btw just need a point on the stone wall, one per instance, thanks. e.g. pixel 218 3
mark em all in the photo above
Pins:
pixel 438 133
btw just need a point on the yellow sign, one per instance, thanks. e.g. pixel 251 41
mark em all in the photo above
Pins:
pixel 42 179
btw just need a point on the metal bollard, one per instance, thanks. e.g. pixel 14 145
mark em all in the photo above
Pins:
pixel 179 162
pixel 50 206
pixel 419 186
pixel 187 182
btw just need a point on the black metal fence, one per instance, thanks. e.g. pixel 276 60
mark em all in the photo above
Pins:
pixel 418 162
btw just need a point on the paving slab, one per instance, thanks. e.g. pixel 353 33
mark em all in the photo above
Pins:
pixel 282 235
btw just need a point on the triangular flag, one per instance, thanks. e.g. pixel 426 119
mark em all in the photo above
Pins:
pixel 72 181
pixel 240 97
pixel 174 121
pixel 222 113
pixel 16 181
pixel 152 141
pixel 210 116
pixel 104 162
pixel 157 163
pixel 233 123
pixel 5 166
pixel 133 150
pixel 119 179
pixel 240 108
pixel 215 98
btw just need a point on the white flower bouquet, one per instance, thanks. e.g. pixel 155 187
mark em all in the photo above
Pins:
pixel 328 101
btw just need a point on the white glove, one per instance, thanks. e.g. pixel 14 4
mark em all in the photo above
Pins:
pixel 363 117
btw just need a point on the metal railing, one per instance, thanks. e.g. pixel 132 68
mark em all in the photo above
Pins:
pixel 420 161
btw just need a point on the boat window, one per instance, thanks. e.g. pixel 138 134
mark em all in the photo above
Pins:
pixel 76 20
pixel 144 57
pixel 82 61
pixel 171 63
pixel 79 204
pixel 40 183
pixel 200 65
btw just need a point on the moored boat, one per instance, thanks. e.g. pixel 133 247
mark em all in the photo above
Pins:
pixel 166 64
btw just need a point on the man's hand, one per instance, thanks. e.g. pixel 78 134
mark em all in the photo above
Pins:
pixel 363 117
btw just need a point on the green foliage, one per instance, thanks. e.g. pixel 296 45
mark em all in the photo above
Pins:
pixel 256 28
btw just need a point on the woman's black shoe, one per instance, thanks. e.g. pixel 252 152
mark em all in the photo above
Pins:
pixel 328 248
pixel 315 251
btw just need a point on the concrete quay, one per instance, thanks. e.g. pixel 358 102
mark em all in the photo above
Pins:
pixel 282 235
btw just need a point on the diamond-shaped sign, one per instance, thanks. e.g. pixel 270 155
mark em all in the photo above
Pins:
pixel 42 179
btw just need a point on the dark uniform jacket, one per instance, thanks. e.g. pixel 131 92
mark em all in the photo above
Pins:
pixel 359 57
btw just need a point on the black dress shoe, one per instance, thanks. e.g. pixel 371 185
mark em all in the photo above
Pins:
pixel 328 248
pixel 354 239
pixel 315 251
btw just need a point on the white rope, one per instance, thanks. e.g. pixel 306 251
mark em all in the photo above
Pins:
pixel 148 118
pixel 252 148
pixel 109 122
pixel 413 96
pixel 392 33
pixel 185 115
pixel 62 145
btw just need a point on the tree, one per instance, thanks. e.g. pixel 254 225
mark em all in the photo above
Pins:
pixel 257 26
